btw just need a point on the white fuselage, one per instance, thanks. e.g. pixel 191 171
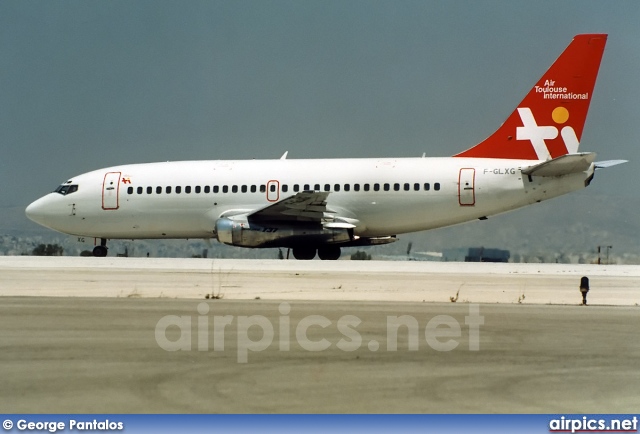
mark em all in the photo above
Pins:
pixel 379 196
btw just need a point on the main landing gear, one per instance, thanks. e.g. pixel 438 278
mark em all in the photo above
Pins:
pixel 101 250
pixel 326 253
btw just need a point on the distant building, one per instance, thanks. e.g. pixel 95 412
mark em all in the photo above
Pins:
pixel 476 254
pixel 480 254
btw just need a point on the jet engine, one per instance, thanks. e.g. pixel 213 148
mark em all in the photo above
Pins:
pixel 243 233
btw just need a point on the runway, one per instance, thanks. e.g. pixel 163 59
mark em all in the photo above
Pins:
pixel 123 335
pixel 318 280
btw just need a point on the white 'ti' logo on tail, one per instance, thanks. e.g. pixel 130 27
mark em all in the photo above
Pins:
pixel 537 134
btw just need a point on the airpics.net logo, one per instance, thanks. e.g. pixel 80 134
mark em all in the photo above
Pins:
pixel 255 333
pixel 592 424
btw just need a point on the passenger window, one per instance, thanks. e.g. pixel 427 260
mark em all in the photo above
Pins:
pixel 386 187
pixel 316 187
pixel 187 189
pixel 347 187
pixel 336 187
pixel 427 187
pixel 178 189
pixel 306 187
pixel 158 190
pixel 366 187
pixel 207 189
pixel 376 187
pixel 396 187
pixel 225 189
pixel 327 187
pixel 272 188
pixel 285 188
pixel 234 189
pixel 198 190
pixel 436 186
pixel 130 190
pixel 149 190
pixel 356 187
pixel 139 190
pixel 243 188
pixel 263 188
pixel 296 188
pixel 169 190
pixel 216 189
pixel 253 189
pixel 416 186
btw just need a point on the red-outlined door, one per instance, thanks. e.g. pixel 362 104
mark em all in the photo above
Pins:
pixel 111 190
pixel 273 190
pixel 466 187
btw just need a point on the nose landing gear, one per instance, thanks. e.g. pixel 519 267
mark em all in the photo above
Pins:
pixel 101 250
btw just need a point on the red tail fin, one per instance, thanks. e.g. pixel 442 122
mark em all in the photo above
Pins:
pixel 548 122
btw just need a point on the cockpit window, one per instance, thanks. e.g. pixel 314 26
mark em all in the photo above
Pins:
pixel 65 189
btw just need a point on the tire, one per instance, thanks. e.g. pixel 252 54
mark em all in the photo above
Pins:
pixel 304 253
pixel 329 253
pixel 100 251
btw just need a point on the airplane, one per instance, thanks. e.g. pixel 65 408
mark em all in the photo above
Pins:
pixel 318 206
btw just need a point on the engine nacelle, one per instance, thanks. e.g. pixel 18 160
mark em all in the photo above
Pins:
pixel 244 234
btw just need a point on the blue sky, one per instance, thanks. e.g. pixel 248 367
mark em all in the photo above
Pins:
pixel 85 85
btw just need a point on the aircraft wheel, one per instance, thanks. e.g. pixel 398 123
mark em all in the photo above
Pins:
pixel 329 253
pixel 100 251
pixel 304 253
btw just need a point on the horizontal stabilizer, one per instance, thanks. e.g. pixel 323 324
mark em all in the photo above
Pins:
pixel 563 165
pixel 609 163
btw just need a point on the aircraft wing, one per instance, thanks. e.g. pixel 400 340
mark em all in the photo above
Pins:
pixel 306 206
pixel 563 165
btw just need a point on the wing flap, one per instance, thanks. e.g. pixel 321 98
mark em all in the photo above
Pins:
pixel 312 215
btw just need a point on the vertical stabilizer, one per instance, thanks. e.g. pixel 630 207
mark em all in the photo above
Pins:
pixel 549 121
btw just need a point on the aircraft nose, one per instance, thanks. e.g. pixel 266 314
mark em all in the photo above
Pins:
pixel 36 211
pixel 32 211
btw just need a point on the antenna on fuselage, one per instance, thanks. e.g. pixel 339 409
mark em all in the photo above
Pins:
pixel 284 156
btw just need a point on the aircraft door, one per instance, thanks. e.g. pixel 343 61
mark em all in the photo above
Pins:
pixel 110 191
pixel 273 191
pixel 466 187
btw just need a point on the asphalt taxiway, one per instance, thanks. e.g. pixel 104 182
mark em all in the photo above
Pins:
pixel 133 336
